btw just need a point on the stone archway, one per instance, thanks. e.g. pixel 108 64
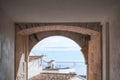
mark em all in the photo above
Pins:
pixel 90 41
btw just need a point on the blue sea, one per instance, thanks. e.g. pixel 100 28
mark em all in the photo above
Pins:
pixel 64 59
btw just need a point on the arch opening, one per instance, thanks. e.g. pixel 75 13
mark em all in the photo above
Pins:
pixel 62 51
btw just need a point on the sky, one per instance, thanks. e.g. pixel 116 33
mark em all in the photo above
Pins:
pixel 57 43
pixel 63 50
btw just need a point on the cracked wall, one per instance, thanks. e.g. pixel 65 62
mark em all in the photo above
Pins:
pixel 6 47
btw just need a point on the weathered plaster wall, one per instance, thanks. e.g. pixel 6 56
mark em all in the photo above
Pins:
pixel 114 26
pixel 34 68
pixel 6 47
pixel 94 58
pixel 21 66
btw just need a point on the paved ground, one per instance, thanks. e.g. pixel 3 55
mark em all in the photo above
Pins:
pixel 78 78
pixel 53 76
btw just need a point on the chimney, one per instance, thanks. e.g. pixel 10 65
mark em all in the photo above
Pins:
pixel 51 64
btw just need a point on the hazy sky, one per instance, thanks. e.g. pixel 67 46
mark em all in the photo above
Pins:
pixel 59 48
pixel 57 43
pixel 63 50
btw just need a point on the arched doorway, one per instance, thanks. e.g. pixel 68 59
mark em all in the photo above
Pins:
pixel 90 34
pixel 65 52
